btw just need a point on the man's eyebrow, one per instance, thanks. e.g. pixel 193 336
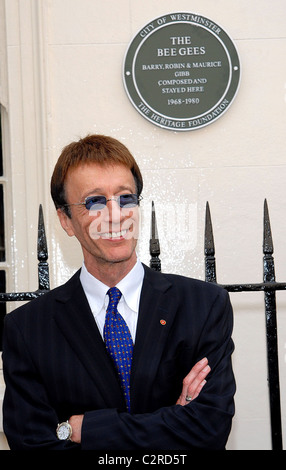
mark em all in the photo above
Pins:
pixel 100 191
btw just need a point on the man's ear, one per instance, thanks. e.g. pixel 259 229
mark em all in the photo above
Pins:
pixel 66 222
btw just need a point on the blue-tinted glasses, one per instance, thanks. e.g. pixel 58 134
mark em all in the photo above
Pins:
pixel 99 202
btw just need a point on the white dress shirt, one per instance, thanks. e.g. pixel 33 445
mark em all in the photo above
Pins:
pixel 128 306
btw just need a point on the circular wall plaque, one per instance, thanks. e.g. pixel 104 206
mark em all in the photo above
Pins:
pixel 181 71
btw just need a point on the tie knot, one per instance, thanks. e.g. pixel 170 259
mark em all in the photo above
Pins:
pixel 114 296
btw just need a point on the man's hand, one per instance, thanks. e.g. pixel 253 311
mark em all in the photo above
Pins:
pixel 194 382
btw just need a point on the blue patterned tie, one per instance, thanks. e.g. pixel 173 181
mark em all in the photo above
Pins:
pixel 118 342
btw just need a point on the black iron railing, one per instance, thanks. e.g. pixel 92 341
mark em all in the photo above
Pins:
pixel 43 268
pixel 269 286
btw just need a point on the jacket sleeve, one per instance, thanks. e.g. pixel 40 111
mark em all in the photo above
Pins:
pixel 29 420
pixel 204 423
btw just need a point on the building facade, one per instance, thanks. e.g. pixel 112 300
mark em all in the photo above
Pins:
pixel 61 78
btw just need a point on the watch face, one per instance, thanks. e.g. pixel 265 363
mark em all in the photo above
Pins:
pixel 63 431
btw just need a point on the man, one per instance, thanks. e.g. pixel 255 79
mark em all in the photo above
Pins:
pixel 57 364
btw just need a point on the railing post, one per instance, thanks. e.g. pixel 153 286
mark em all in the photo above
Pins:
pixel 271 334
pixel 210 267
pixel 43 266
pixel 155 262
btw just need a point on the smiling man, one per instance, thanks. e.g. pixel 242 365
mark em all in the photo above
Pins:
pixel 120 357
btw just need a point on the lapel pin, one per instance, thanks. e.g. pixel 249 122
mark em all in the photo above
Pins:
pixel 163 322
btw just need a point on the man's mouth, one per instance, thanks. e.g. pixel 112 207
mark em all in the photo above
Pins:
pixel 125 232
pixel 113 235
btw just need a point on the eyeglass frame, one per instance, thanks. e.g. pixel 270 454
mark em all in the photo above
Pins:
pixel 114 198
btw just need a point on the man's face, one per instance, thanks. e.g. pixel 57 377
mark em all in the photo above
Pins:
pixel 108 235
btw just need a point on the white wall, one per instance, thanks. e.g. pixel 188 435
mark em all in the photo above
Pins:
pixel 64 79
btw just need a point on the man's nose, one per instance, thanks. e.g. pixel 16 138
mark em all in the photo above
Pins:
pixel 113 211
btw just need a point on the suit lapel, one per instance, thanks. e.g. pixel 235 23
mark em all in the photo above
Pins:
pixel 76 322
pixel 156 316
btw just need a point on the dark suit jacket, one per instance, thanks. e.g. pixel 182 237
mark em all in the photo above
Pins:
pixel 55 365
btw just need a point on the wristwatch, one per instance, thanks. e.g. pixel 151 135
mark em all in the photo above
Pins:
pixel 64 431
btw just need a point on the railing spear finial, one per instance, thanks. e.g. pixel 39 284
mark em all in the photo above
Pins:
pixel 43 267
pixel 210 267
pixel 267 235
pixel 155 262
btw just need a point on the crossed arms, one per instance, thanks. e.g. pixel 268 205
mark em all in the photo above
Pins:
pixel 192 385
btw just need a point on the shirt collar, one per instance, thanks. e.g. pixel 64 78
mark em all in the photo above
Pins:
pixel 130 286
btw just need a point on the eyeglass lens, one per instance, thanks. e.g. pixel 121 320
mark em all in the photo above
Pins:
pixel 99 202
